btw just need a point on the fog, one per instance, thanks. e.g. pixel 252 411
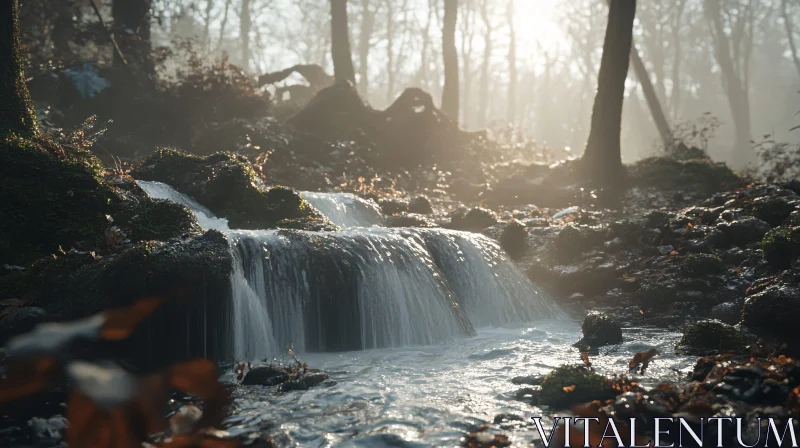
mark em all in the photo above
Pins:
pixel 706 59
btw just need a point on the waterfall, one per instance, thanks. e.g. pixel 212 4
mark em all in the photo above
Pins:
pixel 364 287
pixel 205 218
pixel 346 209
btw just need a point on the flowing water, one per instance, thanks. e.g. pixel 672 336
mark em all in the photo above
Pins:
pixel 421 330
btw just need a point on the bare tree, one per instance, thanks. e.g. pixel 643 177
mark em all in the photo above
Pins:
pixel 787 23
pixel 657 112
pixel 16 113
pixel 132 35
pixel 511 105
pixel 245 26
pixel 732 36
pixel 364 36
pixel 483 95
pixel 602 159
pixel 340 43
pixel 450 92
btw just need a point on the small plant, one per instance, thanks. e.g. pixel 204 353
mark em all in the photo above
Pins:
pixel 690 138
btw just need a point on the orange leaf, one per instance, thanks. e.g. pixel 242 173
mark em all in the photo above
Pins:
pixel 197 441
pixel 643 359
pixel 121 323
pixel 29 377
pixel 569 389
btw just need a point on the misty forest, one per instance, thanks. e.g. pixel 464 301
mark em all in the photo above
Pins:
pixel 396 223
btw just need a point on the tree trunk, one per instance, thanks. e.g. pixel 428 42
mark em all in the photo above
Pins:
pixel 63 31
pixel 483 94
pixel 207 27
pixel 602 158
pixel 390 74
pixel 340 43
pixel 367 25
pixel 511 105
pixel 735 85
pixel 245 25
pixel 16 110
pixel 132 33
pixel 787 23
pixel 450 92
pixel 659 118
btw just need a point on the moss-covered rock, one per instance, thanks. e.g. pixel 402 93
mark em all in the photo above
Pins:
pixel 51 196
pixel 75 284
pixel 599 329
pixel 774 312
pixel 568 385
pixel 772 210
pixel 696 175
pixel 308 224
pixel 228 186
pixel 698 265
pixel 146 219
pixel 781 246
pixel 708 336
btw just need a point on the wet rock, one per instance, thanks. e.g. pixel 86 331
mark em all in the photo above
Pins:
pixel 772 210
pixel 474 220
pixel 265 376
pixel 514 238
pixel 531 380
pixel 393 206
pixel 793 220
pixel 774 311
pixel 507 418
pixel 570 242
pixel 409 220
pixel 305 382
pixel 781 246
pixel 568 385
pixel 308 224
pixel 20 320
pixel 698 265
pixel 745 230
pixel 599 329
pixel 728 312
pixel 420 205
pixel 711 336
pixel 716 239
pixel 592 276
pixel 228 186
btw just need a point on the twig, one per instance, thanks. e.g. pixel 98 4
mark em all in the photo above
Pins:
pixel 109 33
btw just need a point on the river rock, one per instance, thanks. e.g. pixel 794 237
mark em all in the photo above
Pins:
pixel 305 382
pixel 393 206
pixel 774 311
pixel 770 209
pixel 568 385
pixel 711 336
pixel 227 185
pixel 700 264
pixel 599 329
pixel 727 312
pixel 474 220
pixel 265 376
pixel 745 230
pixel 420 205
pixel 514 238
pixel 781 246
pixel 20 320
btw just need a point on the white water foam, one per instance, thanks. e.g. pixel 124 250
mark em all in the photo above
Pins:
pixel 346 209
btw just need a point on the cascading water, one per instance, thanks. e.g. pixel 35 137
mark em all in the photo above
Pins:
pixel 364 287
pixel 346 209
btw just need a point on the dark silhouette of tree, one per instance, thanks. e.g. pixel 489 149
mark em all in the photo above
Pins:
pixel 367 26
pixel 340 43
pixel 511 106
pixel 450 56
pixel 659 117
pixel 245 25
pixel 16 110
pixel 602 159
pixel 132 35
